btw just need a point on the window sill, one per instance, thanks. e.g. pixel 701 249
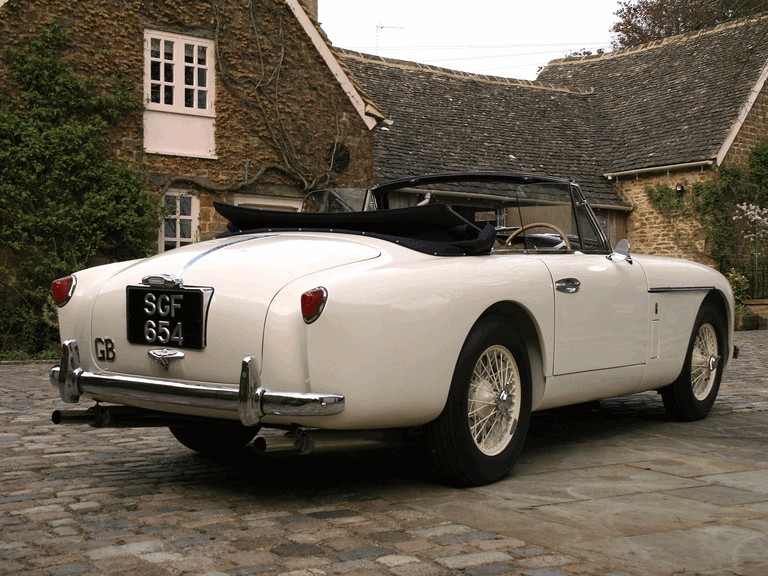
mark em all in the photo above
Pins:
pixel 181 154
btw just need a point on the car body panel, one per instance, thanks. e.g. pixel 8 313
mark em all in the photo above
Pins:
pixel 612 298
pixel 400 307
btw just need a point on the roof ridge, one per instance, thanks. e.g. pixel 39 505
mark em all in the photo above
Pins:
pixel 678 38
pixel 407 64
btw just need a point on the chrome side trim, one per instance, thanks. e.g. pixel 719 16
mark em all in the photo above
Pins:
pixel 680 289
pixel 249 402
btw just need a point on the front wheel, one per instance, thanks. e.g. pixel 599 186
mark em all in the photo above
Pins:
pixel 214 438
pixel 480 433
pixel 692 395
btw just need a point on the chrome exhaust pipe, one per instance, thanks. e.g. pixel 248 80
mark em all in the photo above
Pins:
pixel 301 441
pixel 99 416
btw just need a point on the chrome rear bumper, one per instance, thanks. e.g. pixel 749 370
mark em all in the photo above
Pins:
pixel 249 402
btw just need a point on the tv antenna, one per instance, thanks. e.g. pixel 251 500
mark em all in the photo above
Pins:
pixel 380 27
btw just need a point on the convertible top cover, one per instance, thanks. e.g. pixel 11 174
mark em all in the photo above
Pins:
pixel 434 229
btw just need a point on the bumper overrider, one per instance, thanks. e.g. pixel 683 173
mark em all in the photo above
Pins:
pixel 249 402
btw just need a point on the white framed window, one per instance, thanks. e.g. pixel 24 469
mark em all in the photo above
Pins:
pixel 268 202
pixel 181 220
pixel 179 73
pixel 179 95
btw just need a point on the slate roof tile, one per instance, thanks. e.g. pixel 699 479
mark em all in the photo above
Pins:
pixel 673 101
pixel 666 103
pixel 447 120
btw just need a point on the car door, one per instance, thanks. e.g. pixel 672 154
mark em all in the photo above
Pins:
pixel 601 309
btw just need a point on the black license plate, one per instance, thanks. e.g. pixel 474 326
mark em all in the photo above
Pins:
pixel 161 317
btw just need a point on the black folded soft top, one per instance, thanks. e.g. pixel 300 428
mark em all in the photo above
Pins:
pixel 432 229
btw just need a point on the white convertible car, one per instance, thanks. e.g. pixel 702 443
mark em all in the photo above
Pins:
pixel 450 304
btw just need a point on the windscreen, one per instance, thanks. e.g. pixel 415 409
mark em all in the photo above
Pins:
pixel 335 200
pixel 542 216
pixel 529 213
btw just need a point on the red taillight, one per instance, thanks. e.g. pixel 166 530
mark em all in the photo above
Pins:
pixel 62 290
pixel 312 303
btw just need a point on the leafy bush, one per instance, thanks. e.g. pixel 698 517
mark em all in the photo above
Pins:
pixel 65 201
pixel 740 285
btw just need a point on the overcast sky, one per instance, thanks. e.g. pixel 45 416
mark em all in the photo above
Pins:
pixel 512 38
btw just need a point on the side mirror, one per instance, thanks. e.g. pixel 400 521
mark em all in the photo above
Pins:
pixel 621 252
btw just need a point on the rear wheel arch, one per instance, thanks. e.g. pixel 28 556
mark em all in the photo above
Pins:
pixel 526 327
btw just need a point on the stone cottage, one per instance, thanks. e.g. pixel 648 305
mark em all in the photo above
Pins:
pixel 673 112
pixel 446 120
pixel 251 104
pixel 243 102
pixel 670 112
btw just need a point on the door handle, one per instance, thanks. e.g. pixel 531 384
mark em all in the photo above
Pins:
pixel 568 285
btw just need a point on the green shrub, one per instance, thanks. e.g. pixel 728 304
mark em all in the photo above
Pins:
pixel 64 199
pixel 740 285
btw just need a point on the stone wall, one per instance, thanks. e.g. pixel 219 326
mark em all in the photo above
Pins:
pixel 290 126
pixel 649 231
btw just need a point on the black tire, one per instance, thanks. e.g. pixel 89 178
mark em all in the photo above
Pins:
pixel 214 438
pixel 473 442
pixel 692 395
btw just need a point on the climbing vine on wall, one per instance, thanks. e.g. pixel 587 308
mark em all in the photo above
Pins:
pixel 732 213
pixel 258 68
pixel 64 200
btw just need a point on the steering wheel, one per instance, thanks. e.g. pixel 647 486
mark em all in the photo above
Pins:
pixel 522 229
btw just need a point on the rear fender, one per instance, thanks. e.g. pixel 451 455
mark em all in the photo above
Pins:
pixel 74 318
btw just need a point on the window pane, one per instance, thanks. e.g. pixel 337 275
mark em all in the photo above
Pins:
pixel 177 68
pixel 169 245
pixel 169 230
pixel 185 205
pixel 185 228
pixel 170 203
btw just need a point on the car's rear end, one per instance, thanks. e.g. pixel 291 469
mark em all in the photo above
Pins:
pixel 182 333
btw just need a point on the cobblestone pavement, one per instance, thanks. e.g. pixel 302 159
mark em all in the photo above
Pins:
pixel 613 489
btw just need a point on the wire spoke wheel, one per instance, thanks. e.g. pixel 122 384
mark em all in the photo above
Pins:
pixel 705 359
pixel 494 400
pixel 692 395
pixel 481 430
